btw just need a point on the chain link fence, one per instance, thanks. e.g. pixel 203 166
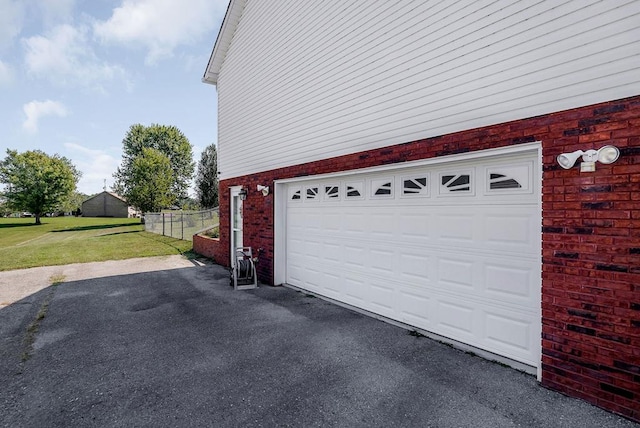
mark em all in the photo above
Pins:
pixel 180 224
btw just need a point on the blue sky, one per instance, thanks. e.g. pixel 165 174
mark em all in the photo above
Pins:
pixel 75 74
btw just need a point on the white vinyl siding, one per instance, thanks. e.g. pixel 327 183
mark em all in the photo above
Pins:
pixel 303 81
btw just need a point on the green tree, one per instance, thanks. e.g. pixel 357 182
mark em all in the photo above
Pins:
pixel 148 184
pixel 37 182
pixel 74 202
pixel 167 140
pixel 5 210
pixel 207 178
pixel 188 204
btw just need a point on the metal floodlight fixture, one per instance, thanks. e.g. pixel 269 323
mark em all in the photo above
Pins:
pixel 605 155
pixel 243 194
pixel 263 189
pixel 567 160
pixel 608 154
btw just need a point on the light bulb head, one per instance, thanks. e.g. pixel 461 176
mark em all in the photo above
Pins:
pixel 567 160
pixel 608 154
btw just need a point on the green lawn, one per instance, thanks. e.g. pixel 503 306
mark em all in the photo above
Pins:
pixel 63 240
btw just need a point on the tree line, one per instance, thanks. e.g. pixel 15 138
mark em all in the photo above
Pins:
pixel 155 173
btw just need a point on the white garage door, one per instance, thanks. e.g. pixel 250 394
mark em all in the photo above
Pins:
pixel 452 248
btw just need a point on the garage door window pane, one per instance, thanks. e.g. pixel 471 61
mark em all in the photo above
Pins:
pixel 501 181
pixel 382 188
pixel 295 194
pixel 415 186
pixel 311 193
pixel 385 189
pixel 354 190
pixel 509 178
pixel 459 183
pixel 332 192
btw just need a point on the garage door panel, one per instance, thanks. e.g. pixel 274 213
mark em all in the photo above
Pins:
pixel 355 257
pixel 313 249
pixel 456 273
pixel 381 261
pixel 332 252
pixel 464 265
pixel 332 285
pixel 380 225
pixel 502 284
pixel 355 291
pixel 456 228
pixel 415 308
pixel 296 274
pixel 512 282
pixel 416 226
pixel 414 266
pixel 331 221
pixel 311 286
pixel 295 246
pixel 512 229
pixel 382 298
pixel 507 331
pixel 352 221
pixel 512 334
pixel 296 258
pixel 295 221
pixel 455 318
pixel 313 221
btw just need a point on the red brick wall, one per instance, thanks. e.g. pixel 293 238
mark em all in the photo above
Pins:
pixel 590 240
pixel 209 247
pixel 591 260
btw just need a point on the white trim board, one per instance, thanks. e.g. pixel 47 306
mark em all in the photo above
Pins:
pixel 458 157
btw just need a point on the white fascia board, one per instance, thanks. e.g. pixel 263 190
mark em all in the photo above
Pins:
pixel 227 29
pixel 508 150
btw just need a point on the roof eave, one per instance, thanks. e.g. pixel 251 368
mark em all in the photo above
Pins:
pixel 210 78
pixel 228 27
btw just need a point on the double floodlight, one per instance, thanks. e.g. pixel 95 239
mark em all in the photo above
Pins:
pixel 605 155
pixel 260 188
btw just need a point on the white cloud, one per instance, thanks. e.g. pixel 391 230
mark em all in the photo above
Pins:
pixel 35 110
pixel 160 25
pixel 6 75
pixel 64 56
pixel 56 11
pixel 195 63
pixel 11 19
pixel 95 165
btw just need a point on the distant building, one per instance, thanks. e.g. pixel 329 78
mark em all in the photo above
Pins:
pixel 107 204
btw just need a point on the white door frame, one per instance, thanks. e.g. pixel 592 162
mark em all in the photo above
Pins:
pixel 234 198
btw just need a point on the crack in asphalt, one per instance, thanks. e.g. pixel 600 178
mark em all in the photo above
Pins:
pixel 34 326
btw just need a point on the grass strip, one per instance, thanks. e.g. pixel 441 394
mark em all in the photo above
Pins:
pixel 65 240
pixel 34 326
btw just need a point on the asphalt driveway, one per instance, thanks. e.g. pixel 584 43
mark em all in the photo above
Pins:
pixel 179 347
